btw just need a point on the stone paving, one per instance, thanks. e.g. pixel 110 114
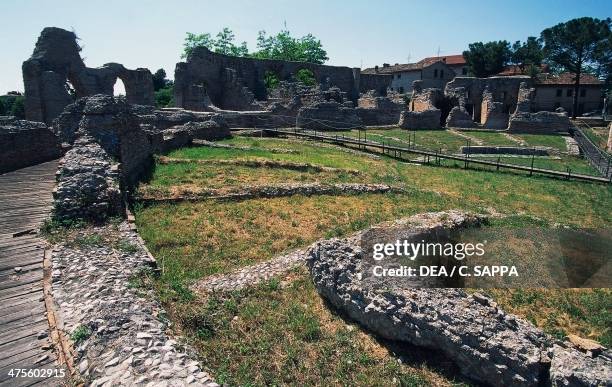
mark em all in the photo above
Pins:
pixel 252 275
pixel 118 329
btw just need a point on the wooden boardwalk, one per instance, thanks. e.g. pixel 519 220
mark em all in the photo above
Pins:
pixel 25 201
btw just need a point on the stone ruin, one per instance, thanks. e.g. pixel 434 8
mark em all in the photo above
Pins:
pixel 25 143
pixel 488 345
pixel 376 109
pixel 524 121
pixel 503 103
pixel 424 112
pixel 610 137
pixel 56 62
pixel 111 147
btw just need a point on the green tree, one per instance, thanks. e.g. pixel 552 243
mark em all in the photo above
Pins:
pixel 2 108
pixel 285 47
pixel 223 44
pixel 528 53
pixel 194 40
pixel 18 108
pixel 306 77
pixel 164 97
pixel 486 59
pixel 159 79
pixel 577 45
pixel 271 80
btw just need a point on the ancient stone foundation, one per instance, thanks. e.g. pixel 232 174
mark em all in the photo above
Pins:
pixel 539 123
pixel 25 143
pixel 374 109
pixel 488 345
pixel 459 118
pixel 427 119
pixel 328 116
pixel 112 147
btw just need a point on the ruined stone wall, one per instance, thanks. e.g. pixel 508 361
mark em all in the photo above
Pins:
pixel 25 143
pixel 209 73
pixel 542 122
pixel 377 82
pixel 503 90
pixel 610 138
pixel 374 109
pixel 492 114
pixel 56 61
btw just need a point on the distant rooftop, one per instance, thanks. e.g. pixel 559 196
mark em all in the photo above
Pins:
pixel 566 79
pixel 451 60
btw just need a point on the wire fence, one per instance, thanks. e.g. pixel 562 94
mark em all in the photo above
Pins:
pixel 598 158
pixel 288 125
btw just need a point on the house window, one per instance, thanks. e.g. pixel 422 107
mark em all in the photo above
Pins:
pixel 580 108
pixel 583 93
pixel 570 92
pixel 436 73
pixel 441 73
pixel 399 76
pixel 559 92
pixel 464 71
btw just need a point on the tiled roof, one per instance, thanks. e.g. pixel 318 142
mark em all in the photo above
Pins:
pixel 400 68
pixel 448 59
pixel 566 79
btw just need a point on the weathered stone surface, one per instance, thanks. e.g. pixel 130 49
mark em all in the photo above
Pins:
pixel 459 118
pixel 489 345
pixel 374 109
pixel 25 143
pixel 214 129
pixel 610 137
pixel 88 183
pixel 541 122
pixel 427 119
pixel 570 367
pixel 126 341
pixel 56 60
pixel 492 113
pixel 328 116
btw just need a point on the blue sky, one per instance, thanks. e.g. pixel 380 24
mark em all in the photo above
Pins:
pixel 354 33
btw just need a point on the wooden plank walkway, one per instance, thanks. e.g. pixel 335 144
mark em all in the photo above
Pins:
pixel 25 201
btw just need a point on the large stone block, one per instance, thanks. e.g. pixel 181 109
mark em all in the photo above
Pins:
pixel 328 116
pixel 25 143
pixel 428 119
pixel 540 122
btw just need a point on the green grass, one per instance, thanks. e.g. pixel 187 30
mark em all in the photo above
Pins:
pixel 553 141
pixel 491 138
pixel 80 333
pixel 585 312
pixel 575 164
pixel 598 135
pixel 287 336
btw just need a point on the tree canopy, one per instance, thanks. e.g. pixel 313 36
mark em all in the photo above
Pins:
pixel 486 59
pixel 285 47
pixel 578 46
pixel 280 46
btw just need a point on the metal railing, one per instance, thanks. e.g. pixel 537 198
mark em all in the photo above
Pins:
pixel 431 156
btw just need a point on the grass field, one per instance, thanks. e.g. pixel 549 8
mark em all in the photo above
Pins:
pixel 285 334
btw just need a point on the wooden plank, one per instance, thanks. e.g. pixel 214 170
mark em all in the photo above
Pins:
pixel 22 280
pixel 17 324
pixel 25 312
pixel 32 330
pixel 19 291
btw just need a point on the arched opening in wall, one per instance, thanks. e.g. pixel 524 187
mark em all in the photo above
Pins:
pixel 119 88
pixel 306 77
pixel 445 104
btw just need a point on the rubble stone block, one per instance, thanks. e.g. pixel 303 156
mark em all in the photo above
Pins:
pixel 428 119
